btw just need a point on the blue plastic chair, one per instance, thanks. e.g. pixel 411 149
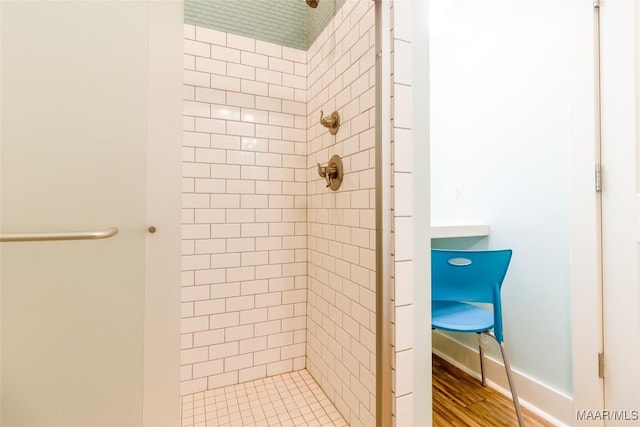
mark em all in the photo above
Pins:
pixel 462 277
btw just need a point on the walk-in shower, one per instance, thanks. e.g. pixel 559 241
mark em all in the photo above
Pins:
pixel 279 271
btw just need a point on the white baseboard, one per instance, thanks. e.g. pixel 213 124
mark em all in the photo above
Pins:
pixel 545 402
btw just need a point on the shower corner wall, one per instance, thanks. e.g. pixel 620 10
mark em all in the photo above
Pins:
pixel 279 271
pixel 341 340
pixel 244 210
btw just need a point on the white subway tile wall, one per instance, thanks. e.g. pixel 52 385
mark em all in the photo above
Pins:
pixel 244 244
pixel 402 168
pixel 341 340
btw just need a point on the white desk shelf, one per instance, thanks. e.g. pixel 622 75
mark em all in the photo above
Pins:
pixel 448 228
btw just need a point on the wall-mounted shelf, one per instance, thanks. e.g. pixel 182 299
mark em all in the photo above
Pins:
pixel 448 228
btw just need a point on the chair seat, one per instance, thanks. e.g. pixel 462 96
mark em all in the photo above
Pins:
pixel 460 317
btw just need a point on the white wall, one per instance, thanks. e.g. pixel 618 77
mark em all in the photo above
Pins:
pixel 499 149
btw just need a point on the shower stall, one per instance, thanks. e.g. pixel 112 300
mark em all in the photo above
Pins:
pixel 279 271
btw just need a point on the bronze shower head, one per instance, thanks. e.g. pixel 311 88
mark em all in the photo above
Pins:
pixel 312 3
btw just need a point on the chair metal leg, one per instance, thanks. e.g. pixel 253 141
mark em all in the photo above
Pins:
pixel 481 351
pixel 514 395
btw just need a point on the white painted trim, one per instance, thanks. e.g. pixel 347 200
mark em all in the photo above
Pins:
pixel 545 402
pixel 619 219
pixel 421 182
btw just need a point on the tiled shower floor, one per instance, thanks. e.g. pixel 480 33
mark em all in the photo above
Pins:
pixel 292 399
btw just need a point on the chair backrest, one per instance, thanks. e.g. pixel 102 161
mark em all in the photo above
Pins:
pixel 470 276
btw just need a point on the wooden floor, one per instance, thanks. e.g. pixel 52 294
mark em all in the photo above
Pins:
pixel 460 400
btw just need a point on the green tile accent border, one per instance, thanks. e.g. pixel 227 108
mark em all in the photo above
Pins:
pixel 285 22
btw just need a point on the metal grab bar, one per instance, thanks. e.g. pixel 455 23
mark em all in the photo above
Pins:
pixel 72 235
